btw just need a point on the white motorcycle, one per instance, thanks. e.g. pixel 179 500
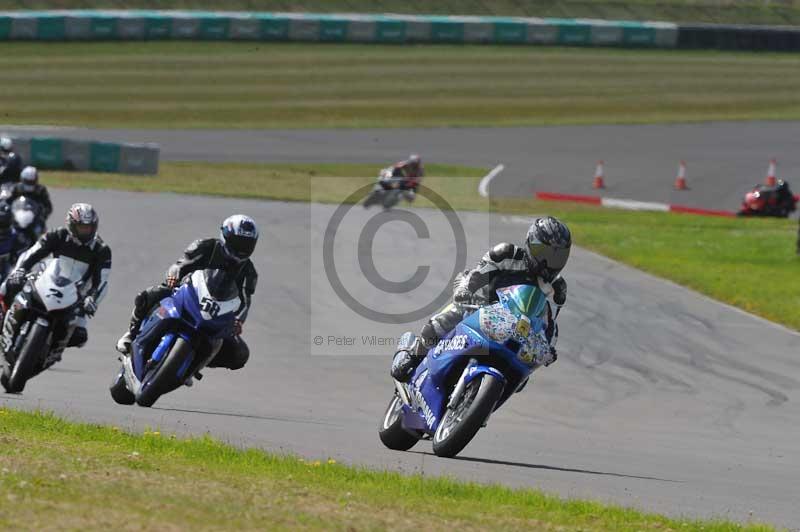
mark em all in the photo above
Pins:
pixel 43 316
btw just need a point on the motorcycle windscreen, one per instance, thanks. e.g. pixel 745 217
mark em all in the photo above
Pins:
pixel 217 296
pixel 221 285
pixel 523 300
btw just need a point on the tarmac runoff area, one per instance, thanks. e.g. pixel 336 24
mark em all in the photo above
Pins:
pixel 661 399
pixel 724 159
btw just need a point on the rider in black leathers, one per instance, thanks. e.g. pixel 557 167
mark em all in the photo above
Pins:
pixel 10 162
pixel 544 255
pixel 230 252
pixel 78 241
pixel 29 187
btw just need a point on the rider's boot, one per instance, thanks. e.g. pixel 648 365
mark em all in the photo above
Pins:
pixel 125 341
pixel 406 360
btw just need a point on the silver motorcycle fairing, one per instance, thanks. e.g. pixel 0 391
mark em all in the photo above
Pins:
pixel 58 286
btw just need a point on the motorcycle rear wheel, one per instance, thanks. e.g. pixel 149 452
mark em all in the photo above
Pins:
pixel 392 433
pixel 460 423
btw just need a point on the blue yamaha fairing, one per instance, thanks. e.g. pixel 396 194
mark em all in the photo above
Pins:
pixel 506 340
pixel 187 329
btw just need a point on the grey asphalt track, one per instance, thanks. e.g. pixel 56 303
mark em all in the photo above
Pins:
pixel 724 159
pixel 661 399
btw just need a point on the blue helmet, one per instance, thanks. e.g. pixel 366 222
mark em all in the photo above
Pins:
pixel 239 235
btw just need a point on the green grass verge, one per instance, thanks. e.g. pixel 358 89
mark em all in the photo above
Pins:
pixel 256 85
pixel 730 11
pixel 56 474
pixel 749 263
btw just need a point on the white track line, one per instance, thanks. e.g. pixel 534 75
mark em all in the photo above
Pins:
pixel 634 205
pixel 483 186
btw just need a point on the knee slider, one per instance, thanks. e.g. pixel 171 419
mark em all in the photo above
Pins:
pixel 79 337
pixel 242 355
pixel 428 335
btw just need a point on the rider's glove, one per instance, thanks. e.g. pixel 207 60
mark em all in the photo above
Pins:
pixel 16 278
pixel 237 327
pixel 89 306
pixel 552 358
pixel 172 280
pixel 559 291
pixel 462 297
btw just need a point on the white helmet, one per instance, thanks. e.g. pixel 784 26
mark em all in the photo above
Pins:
pixel 24 212
pixel 29 177
pixel 6 144
pixel 239 235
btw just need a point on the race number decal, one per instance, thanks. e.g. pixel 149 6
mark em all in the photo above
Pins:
pixel 210 306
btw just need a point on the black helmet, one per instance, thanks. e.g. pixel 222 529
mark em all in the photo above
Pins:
pixel 239 236
pixel 548 243
pixel 82 222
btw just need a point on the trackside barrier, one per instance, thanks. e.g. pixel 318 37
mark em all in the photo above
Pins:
pixel 66 154
pixel 114 25
pixel 107 25
pixel 631 205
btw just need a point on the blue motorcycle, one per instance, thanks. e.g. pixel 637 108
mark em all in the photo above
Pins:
pixel 178 338
pixel 470 373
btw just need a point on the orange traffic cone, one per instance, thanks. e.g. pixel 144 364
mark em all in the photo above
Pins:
pixel 599 173
pixel 771 180
pixel 680 181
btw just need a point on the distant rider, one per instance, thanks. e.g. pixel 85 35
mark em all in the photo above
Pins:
pixel 90 260
pixel 10 161
pixel 412 172
pixel 29 187
pixel 231 252
pixel 12 242
pixel 544 255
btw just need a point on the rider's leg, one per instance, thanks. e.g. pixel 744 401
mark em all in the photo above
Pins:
pixel 73 334
pixel 233 354
pixel 406 361
pixel 142 305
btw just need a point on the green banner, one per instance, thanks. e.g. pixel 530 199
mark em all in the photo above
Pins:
pixel 446 31
pixel 333 30
pixel 5 28
pixel 215 28
pixel 46 153
pixel 50 28
pixel 390 31
pixel 274 29
pixel 104 157
pixel 510 32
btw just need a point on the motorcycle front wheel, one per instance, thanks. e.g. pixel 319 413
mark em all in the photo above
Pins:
pixel 29 358
pixel 374 198
pixel 392 433
pixel 461 422
pixel 165 378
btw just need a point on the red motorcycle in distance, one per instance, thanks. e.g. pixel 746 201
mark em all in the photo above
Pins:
pixel 764 200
